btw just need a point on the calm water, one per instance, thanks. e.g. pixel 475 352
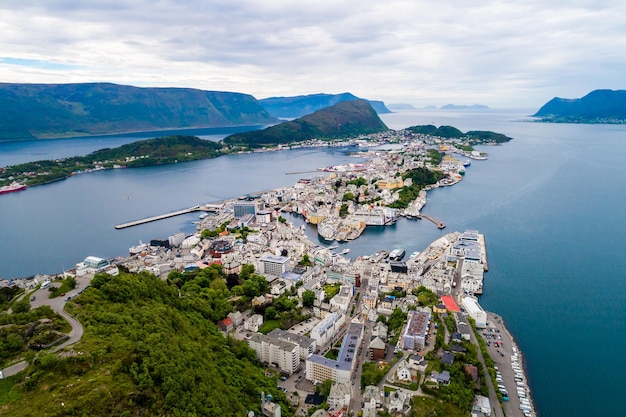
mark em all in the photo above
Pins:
pixel 549 203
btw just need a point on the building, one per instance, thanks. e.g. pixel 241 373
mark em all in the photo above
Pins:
pixel 414 337
pixel 275 352
pixel 306 344
pixel 344 277
pixel 91 265
pixel 482 404
pixel 339 396
pixel 327 328
pixel 343 298
pixel 241 208
pixel 273 265
pixel 319 368
pixel 219 248
pixel 253 323
pixel 475 311
pixel 378 349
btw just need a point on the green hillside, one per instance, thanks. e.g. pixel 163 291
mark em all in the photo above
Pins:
pixel 344 119
pixel 298 106
pixel 451 132
pixel 59 110
pixel 148 350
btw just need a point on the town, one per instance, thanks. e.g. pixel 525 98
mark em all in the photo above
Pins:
pixel 377 335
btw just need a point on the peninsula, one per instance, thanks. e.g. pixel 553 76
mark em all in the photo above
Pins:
pixel 599 106
pixel 298 106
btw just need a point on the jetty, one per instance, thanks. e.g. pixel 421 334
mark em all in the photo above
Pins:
pixel 439 224
pixel 160 217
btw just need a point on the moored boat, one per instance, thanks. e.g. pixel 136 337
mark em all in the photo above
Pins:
pixel 14 186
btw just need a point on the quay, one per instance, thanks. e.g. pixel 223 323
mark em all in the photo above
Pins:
pixel 160 217
pixel 439 224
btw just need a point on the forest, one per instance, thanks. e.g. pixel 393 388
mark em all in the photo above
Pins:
pixel 150 348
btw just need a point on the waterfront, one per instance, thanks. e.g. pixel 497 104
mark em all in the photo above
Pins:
pixel 548 204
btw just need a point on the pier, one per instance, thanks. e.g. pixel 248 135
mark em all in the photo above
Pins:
pixel 159 217
pixel 439 224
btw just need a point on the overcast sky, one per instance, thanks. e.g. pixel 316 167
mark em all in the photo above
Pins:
pixel 498 53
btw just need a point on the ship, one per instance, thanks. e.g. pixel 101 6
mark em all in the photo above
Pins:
pixel 467 163
pixel 14 186
pixel 396 255
pixel 345 251
pixel 137 249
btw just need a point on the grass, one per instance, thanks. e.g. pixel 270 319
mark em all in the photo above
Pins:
pixel 332 354
pixel 270 325
pixel 427 407
pixel 8 393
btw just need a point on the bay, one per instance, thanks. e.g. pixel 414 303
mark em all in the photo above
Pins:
pixel 549 203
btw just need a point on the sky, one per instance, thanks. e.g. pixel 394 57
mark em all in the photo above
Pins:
pixel 503 54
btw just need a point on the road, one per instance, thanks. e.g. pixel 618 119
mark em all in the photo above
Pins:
pixel 57 304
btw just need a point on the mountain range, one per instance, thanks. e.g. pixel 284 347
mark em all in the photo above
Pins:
pixel 298 106
pixel 344 119
pixel 599 106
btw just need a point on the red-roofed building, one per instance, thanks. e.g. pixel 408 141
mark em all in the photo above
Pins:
pixel 451 305
pixel 226 324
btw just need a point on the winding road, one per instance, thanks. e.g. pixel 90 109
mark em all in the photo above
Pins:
pixel 57 304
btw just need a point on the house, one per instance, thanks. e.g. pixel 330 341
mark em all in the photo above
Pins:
pixel 226 325
pixel 418 362
pixel 472 371
pixel 380 329
pixel 403 371
pixel 482 404
pixel 441 378
pixel 373 393
pixel 339 396
pixel 378 349
pixel 253 323
pixel 447 358
pixel 236 317
pixel 457 349
pixel 396 401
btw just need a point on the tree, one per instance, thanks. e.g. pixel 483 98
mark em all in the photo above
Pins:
pixel 308 298
pixel 282 219
pixel 305 261
pixel 270 313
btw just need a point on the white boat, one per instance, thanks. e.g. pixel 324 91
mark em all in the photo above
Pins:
pixel 396 255
pixel 346 250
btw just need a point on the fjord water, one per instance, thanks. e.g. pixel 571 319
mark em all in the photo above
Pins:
pixel 550 204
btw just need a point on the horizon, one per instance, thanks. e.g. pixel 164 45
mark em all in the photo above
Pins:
pixel 517 55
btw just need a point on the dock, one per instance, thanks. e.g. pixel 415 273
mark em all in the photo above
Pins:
pixel 159 217
pixel 439 224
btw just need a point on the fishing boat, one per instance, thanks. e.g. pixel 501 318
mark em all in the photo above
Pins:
pixel 14 186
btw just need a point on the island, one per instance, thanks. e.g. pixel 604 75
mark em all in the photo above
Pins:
pixel 599 106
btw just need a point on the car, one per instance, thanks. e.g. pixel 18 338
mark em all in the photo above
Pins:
pixel 62 294
pixel 283 378
pixel 32 298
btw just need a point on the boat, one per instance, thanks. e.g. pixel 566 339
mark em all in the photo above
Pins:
pixel 203 215
pixel 346 250
pixel 396 255
pixel 137 249
pixel 467 163
pixel 14 186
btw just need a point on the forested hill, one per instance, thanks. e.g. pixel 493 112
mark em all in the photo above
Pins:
pixel 298 106
pixel 344 119
pixel 451 132
pixel 59 110
pixel 149 349
pixel 599 106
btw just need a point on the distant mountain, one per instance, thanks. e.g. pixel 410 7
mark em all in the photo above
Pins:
pixel 298 106
pixel 599 106
pixel 463 107
pixel 400 106
pixel 56 110
pixel 344 119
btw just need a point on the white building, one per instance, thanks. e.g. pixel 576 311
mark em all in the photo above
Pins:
pixel 343 297
pixel 327 328
pixel 91 265
pixel 414 337
pixel 273 265
pixel 319 368
pixel 283 355
pixel 253 323
pixel 339 396
pixel 475 311
pixel 306 344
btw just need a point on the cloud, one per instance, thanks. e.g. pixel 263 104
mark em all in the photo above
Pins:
pixel 499 53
